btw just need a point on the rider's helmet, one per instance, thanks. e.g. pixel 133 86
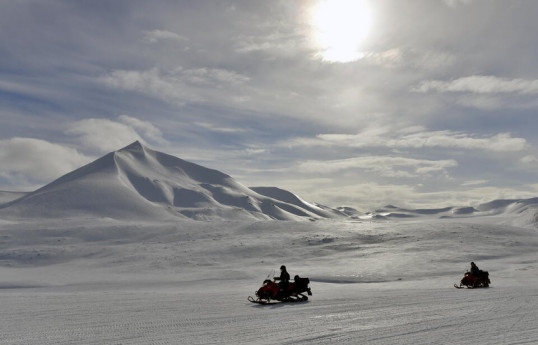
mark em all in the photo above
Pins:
pixel 283 267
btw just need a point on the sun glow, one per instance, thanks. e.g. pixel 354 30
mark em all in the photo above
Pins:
pixel 340 26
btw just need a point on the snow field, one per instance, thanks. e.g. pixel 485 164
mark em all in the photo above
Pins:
pixel 102 281
pixel 337 314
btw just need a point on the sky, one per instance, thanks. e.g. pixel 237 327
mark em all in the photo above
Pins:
pixel 359 103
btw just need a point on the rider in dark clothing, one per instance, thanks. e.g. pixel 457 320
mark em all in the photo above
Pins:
pixel 482 277
pixel 284 278
pixel 475 271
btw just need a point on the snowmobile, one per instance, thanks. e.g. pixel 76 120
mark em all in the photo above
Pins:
pixel 474 281
pixel 272 291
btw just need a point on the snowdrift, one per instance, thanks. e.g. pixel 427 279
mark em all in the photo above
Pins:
pixel 139 183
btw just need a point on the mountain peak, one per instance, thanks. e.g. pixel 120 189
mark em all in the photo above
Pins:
pixel 134 146
pixel 138 182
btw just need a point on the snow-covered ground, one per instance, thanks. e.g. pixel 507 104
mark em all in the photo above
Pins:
pixel 104 281
pixel 111 253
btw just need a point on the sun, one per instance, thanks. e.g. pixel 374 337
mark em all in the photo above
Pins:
pixel 339 28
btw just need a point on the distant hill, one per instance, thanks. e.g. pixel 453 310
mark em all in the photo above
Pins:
pixel 522 212
pixel 290 198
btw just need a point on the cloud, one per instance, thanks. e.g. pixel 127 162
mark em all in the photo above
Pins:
pixel 529 159
pixel 487 102
pixel 274 43
pixel 106 135
pixel 179 86
pixel 481 85
pixel 456 3
pixel 29 89
pixel 155 36
pixel 416 138
pixel 502 142
pixel 147 129
pixel 383 165
pixel 28 160
pixel 412 58
pixel 169 88
pixel 215 77
pixel 474 182
pixel 389 58
pixel 251 151
pixel 219 129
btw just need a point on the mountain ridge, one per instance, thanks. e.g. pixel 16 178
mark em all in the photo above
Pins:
pixel 137 182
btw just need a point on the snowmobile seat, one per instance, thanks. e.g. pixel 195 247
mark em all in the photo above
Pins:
pixel 301 284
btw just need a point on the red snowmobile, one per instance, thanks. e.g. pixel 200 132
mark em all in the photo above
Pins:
pixel 272 291
pixel 474 280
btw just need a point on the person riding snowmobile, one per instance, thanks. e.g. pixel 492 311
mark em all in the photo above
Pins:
pixel 475 278
pixel 284 278
pixel 475 271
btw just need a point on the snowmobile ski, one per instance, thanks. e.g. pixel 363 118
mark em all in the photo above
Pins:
pixel 260 301
pixel 284 301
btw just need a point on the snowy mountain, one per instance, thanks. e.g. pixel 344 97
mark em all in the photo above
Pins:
pixel 137 182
